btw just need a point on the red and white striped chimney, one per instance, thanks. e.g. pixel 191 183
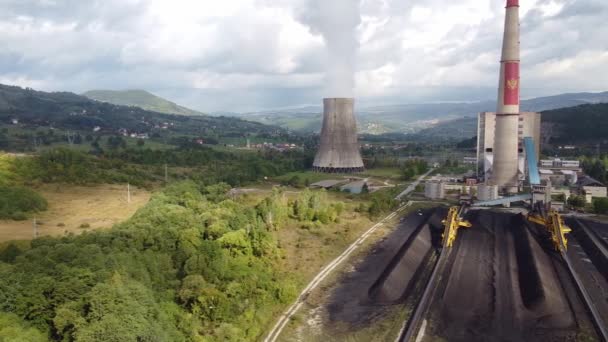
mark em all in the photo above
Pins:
pixel 505 164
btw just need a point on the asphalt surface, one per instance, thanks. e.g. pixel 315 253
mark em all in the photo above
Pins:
pixel 413 186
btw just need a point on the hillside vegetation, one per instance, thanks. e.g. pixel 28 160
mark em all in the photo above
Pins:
pixel 70 111
pixel 141 99
pixel 144 167
pixel 584 123
pixel 192 265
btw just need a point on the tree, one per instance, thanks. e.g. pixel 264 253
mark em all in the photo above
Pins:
pixel 577 202
pixel 236 242
pixel 122 310
pixel 560 197
pixel 595 168
pixel 408 173
pixel 141 142
pixel 10 253
pixel 13 329
pixel 600 205
pixel 115 142
pixel 295 181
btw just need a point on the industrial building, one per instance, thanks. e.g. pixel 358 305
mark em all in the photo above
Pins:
pixel 529 125
pixel 591 188
pixel 559 164
pixel 339 150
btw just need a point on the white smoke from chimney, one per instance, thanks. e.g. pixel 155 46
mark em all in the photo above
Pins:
pixel 336 21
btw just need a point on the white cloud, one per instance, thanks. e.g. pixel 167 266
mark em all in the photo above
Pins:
pixel 260 53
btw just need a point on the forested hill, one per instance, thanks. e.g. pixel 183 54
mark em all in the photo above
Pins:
pixel 71 111
pixel 584 123
pixel 141 99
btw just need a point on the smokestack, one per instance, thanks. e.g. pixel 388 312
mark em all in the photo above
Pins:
pixel 339 150
pixel 505 165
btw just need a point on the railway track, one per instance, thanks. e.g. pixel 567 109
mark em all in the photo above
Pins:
pixel 598 320
pixel 417 321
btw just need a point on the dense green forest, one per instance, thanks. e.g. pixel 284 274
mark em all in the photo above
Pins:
pixel 192 265
pixel 581 124
pixel 597 168
pixel 144 167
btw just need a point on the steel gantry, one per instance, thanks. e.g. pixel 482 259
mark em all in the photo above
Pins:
pixel 451 225
pixel 554 223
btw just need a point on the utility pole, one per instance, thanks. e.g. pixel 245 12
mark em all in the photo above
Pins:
pixel 70 137
pixel 166 174
pixel 128 193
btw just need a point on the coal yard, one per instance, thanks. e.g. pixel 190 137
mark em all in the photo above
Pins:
pixel 502 279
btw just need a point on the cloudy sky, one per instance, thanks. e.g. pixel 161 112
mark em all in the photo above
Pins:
pixel 241 55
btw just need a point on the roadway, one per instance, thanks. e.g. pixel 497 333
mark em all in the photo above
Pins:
pixel 413 186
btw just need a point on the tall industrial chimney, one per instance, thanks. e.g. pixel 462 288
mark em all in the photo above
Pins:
pixel 505 165
pixel 339 149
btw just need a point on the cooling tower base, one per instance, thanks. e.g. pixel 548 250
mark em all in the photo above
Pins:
pixel 338 169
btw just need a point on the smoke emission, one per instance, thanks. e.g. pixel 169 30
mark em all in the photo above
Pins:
pixel 337 22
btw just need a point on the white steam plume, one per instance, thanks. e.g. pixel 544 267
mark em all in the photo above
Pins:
pixel 337 22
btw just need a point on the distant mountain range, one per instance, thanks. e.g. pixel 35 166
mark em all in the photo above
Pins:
pixel 412 118
pixel 141 99
pixel 572 115
pixel 32 108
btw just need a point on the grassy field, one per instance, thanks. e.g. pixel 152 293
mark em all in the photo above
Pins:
pixel 391 174
pixel 312 177
pixel 76 209
pixel 307 250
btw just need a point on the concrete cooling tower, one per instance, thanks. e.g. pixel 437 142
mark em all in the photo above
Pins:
pixel 339 149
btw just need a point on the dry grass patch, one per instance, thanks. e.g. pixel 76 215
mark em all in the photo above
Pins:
pixel 76 209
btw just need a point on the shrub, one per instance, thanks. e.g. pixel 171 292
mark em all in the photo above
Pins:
pixel 16 202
